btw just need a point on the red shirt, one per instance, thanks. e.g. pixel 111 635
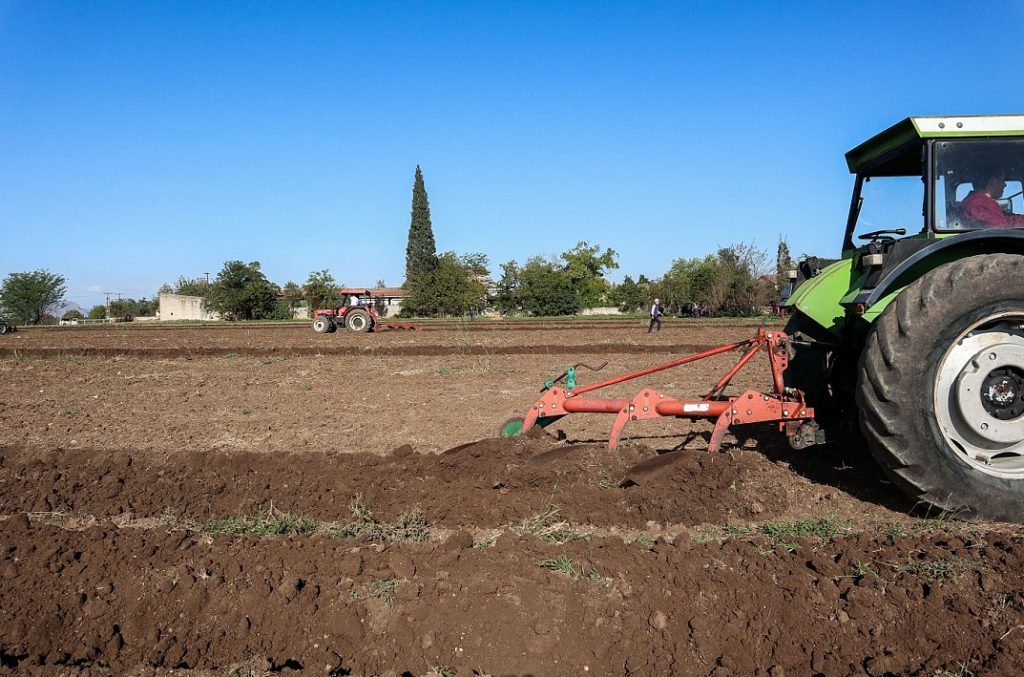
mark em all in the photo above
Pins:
pixel 981 208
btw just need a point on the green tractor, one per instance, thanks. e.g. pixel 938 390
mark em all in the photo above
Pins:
pixel 920 337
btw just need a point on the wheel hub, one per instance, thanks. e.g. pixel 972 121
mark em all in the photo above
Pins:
pixel 979 396
pixel 1000 394
pixel 988 396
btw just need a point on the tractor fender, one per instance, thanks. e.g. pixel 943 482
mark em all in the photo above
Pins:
pixel 819 297
pixel 940 251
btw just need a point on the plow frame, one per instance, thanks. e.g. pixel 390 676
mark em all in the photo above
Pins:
pixel 789 410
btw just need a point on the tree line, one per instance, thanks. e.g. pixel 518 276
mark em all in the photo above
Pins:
pixel 735 280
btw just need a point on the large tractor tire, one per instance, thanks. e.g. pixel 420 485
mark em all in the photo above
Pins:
pixel 941 388
pixel 358 321
pixel 323 325
pixel 3 328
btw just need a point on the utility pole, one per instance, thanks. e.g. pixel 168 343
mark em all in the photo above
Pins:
pixel 207 279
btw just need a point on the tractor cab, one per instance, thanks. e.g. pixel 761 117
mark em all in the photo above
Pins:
pixel 919 176
pixel 927 191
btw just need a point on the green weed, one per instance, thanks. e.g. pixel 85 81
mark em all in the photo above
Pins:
pixel 546 526
pixel 782 532
pixel 411 525
pixel 486 541
pixel 859 570
pixel 644 540
pixel 896 531
pixel 940 569
pixel 563 565
pixel 385 590
pixel 779 533
pixel 269 522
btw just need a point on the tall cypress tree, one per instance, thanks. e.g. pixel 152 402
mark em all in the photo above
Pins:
pixel 421 251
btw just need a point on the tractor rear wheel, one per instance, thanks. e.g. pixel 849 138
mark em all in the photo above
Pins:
pixel 941 388
pixel 358 321
pixel 323 325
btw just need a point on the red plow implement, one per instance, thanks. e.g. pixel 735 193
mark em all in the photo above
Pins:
pixel 786 407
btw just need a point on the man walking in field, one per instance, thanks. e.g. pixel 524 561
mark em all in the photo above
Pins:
pixel 656 314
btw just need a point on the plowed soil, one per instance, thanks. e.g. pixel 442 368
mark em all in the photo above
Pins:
pixel 262 499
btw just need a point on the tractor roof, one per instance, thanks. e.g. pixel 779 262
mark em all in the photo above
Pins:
pixel 917 128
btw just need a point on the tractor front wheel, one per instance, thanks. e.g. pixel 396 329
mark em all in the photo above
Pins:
pixel 941 388
pixel 358 321
pixel 323 325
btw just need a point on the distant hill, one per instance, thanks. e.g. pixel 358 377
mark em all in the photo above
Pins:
pixel 60 309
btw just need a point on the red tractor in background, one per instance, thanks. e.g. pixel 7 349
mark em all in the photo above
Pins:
pixel 353 318
pixel 357 314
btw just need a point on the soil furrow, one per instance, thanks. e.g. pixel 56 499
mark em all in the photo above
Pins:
pixel 489 483
pixel 130 599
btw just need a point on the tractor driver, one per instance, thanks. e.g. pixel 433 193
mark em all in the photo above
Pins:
pixel 980 204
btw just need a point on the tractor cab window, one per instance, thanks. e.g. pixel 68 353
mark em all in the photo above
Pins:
pixel 979 183
pixel 889 203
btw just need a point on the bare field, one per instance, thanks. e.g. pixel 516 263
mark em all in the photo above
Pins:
pixel 265 499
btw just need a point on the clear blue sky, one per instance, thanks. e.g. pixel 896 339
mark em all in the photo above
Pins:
pixel 140 141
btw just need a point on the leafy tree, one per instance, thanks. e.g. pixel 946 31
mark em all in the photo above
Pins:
pixel 454 288
pixel 130 308
pixel 546 289
pixel 729 282
pixel 458 287
pixel 506 291
pixel 190 287
pixel 321 290
pixel 26 296
pixel 687 281
pixel 585 267
pixel 98 313
pixel 242 291
pixel 292 297
pixel 122 308
pixel 477 265
pixel 737 288
pixel 421 250
pixel 73 315
pixel 282 310
pixel 630 296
